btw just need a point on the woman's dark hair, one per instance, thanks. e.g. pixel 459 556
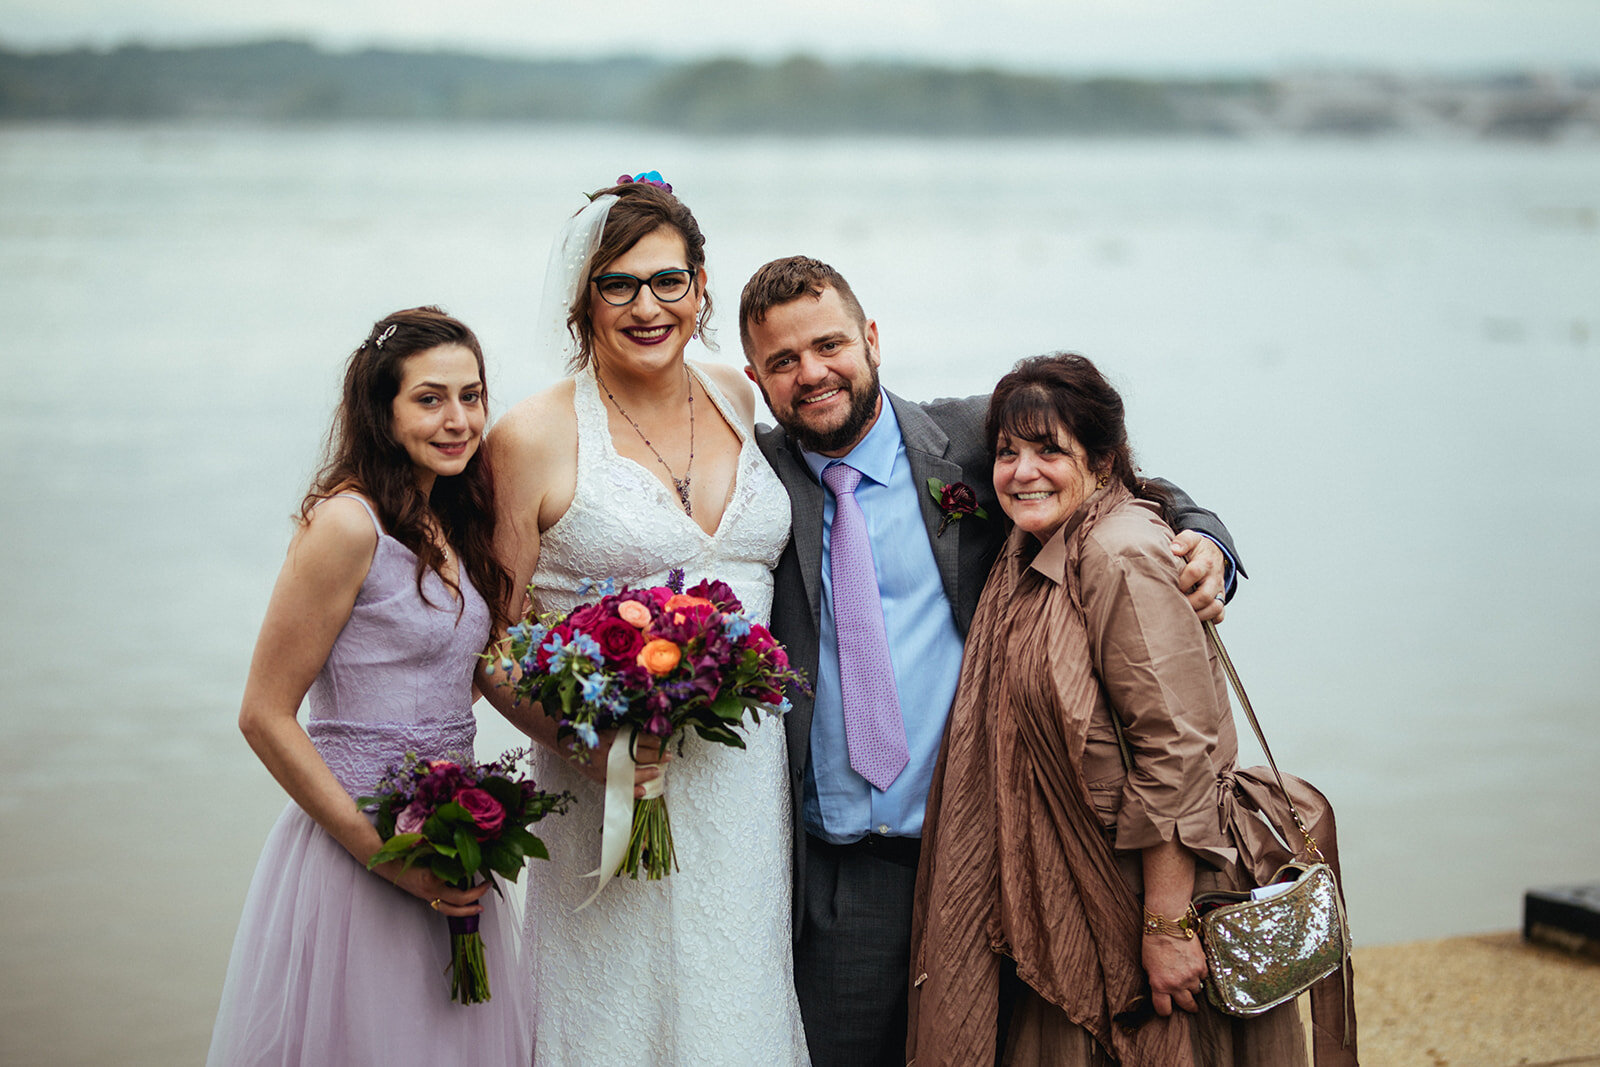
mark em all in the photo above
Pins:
pixel 1065 390
pixel 641 209
pixel 362 454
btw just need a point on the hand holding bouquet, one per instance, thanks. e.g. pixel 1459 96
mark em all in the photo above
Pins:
pixel 655 661
pixel 461 820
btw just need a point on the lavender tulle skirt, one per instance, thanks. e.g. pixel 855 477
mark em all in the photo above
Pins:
pixel 332 965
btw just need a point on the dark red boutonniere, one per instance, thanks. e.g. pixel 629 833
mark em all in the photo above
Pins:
pixel 956 500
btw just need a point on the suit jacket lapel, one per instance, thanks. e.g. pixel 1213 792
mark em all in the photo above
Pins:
pixel 805 512
pixel 926 446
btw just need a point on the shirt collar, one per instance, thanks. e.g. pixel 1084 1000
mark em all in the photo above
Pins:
pixel 1051 559
pixel 874 454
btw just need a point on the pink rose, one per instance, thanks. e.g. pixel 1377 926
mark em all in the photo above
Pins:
pixel 485 810
pixel 634 614
pixel 411 818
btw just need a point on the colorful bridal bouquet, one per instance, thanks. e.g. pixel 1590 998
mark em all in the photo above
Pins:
pixel 461 820
pixel 651 662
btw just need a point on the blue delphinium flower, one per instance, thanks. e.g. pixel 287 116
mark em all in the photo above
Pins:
pixel 593 687
pixel 737 627
pixel 581 649
pixel 559 652
pixel 598 586
pixel 587 647
pixel 586 734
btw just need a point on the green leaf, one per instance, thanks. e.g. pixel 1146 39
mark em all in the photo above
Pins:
pixel 394 848
pixel 453 812
pixel 728 708
pixel 537 850
pixel 467 851
pixel 507 792
pixel 505 862
pixel 518 838
pixel 720 735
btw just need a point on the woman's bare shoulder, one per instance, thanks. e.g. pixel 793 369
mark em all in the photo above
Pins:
pixel 735 386
pixel 338 534
pixel 538 421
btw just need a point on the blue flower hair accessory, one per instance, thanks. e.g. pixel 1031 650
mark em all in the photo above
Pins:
pixel 649 177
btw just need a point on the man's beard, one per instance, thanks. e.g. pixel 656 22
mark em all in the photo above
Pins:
pixel 863 405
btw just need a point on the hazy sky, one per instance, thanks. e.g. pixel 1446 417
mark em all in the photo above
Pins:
pixel 1192 35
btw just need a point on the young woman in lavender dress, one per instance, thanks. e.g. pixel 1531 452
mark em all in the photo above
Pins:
pixel 387 597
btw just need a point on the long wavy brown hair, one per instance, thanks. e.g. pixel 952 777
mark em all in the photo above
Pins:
pixel 361 454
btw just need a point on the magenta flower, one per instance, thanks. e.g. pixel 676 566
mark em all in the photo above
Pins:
pixel 619 641
pixel 411 818
pixel 485 810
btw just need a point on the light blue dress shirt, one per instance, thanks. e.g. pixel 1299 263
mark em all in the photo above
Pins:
pixel 924 647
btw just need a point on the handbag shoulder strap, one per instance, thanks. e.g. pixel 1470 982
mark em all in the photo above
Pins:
pixel 1250 713
pixel 1238 687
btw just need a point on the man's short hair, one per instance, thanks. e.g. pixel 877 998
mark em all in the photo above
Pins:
pixel 785 280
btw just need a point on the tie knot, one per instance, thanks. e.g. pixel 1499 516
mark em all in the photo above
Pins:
pixel 841 478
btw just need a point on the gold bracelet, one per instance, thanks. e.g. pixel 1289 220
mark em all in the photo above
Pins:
pixel 1183 926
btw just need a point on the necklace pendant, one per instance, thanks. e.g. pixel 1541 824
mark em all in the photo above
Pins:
pixel 682 486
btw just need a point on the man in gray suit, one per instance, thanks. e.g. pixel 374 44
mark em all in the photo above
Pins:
pixel 814 355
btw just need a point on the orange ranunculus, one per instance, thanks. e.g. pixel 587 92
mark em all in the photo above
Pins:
pixel 659 656
pixel 634 613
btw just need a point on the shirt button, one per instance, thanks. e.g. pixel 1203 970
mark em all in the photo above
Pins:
pixel 883 828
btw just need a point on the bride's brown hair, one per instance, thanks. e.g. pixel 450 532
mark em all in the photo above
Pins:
pixel 641 209
pixel 361 454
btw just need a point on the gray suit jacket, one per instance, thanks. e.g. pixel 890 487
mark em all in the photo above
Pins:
pixel 944 440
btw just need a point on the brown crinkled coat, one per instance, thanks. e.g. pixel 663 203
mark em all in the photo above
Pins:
pixel 1030 793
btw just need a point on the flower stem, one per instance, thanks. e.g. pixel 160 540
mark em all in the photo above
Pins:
pixel 650 847
pixel 469 975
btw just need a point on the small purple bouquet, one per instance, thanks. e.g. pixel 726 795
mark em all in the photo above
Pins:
pixel 658 662
pixel 461 820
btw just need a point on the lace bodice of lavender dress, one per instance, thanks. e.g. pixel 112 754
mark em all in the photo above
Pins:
pixel 697 968
pixel 399 677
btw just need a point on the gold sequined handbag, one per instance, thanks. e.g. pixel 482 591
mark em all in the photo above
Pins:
pixel 1266 947
pixel 1269 946
pixel 1261 953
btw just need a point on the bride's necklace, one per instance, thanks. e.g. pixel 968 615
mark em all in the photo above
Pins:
pixel 680 484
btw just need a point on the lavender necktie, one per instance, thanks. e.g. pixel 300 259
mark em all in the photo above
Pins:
pixel 872 725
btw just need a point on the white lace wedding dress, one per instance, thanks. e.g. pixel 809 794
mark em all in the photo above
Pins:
pixel 697 968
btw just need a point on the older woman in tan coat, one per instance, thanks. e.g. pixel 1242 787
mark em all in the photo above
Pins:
pixel 1055 881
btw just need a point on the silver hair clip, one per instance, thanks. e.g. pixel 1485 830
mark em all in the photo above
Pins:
pixel 385 335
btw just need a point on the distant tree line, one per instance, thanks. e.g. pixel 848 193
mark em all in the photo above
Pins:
pixel 288 80
pixel 279 81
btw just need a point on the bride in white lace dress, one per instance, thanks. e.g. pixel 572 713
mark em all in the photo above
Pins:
pixel 637 465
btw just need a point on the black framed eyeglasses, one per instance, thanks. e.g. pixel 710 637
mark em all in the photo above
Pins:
pixel 668 286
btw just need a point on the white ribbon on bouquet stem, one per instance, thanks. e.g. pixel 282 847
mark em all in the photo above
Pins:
pixel 617 823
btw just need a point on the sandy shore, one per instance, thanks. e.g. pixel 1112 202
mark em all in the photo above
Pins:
pixel 1486 1001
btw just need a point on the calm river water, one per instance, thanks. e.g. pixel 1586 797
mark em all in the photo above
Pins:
pixel 1380 362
